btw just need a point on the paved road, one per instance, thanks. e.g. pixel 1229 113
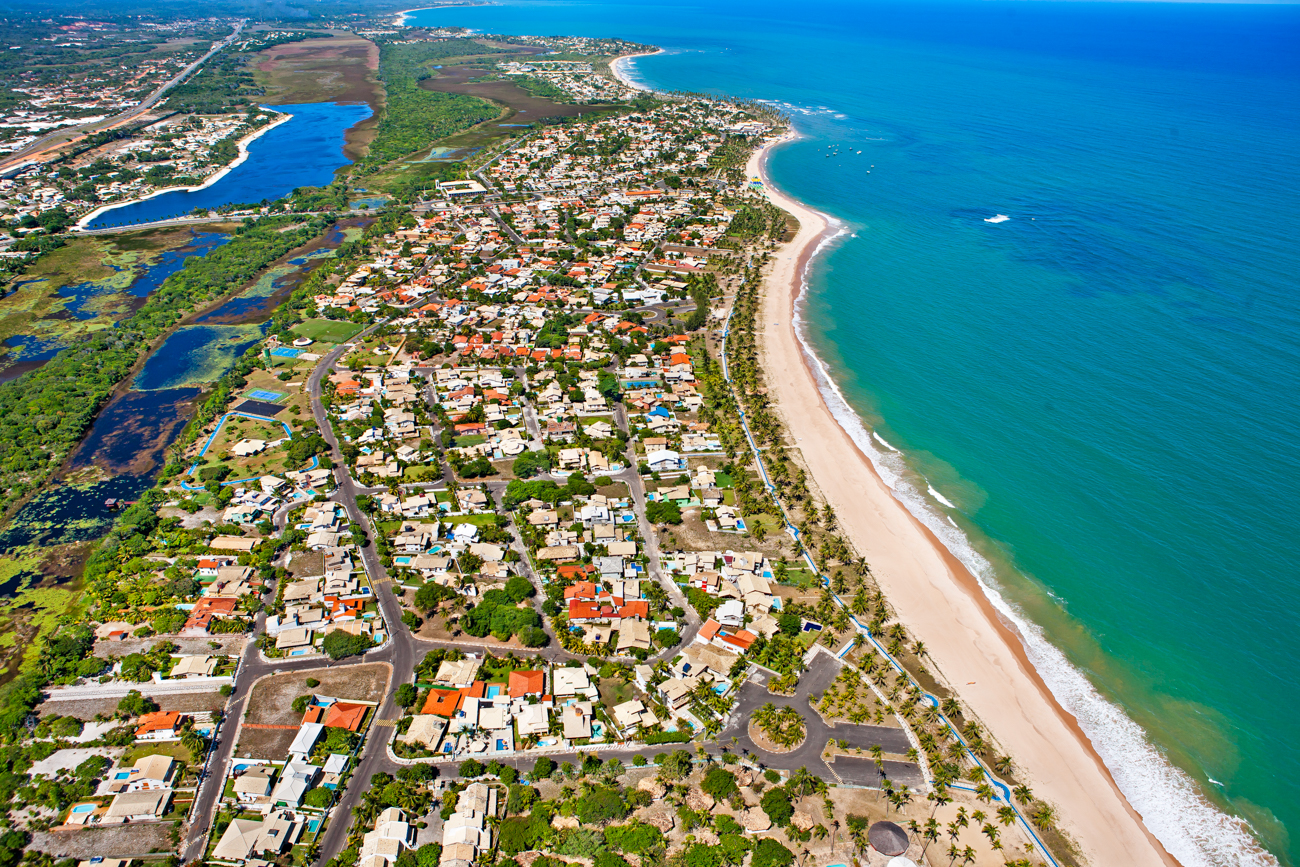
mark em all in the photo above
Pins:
pixel 118 689
pixel 68 134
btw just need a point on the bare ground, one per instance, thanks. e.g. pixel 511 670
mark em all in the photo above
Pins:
pixel 272 699
pixel 117 841
pixel 229 645
pixel 86 709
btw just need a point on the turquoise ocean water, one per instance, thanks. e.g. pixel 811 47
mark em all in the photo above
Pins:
pixel 1095 403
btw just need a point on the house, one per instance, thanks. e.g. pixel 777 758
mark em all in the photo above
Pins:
pixel 457 673
pixel 141 806
pixel 443 702
pixel 566 682
pixel 426 729
pixel 522 683
pixel 345 715
pixel 148 773
pixel 665 461
pixel 632 635
pixel 305 741
pixel 208 609
pixel 194 666
pixel 533 719
pixel 247 839
pixel 299 638
pixel 576 719
pixel 296 780
pixel 158 726
pixel 254 784
pixel 633 714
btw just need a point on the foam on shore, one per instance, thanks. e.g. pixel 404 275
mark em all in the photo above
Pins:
pixel 1191 828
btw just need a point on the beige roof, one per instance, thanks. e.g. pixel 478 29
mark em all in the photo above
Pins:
pixel 196 665
pixel 155 767
pixel 148 802
pixel 238 841
pixel 233 543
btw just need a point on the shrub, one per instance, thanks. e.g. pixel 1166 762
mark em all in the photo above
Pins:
pixel 770 853
pixel 776 804
pixel 312 683
pixel 720 783
pixel 471 768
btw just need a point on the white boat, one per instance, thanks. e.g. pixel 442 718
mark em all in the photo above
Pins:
pixel 1000 218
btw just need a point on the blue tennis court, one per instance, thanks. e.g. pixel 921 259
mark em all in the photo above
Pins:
pixel 286 352
pixel 263 394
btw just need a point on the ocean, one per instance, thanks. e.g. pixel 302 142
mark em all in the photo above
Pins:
pixel 1094 402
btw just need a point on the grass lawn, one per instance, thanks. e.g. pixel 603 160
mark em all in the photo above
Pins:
pixel 614 691
pixel 328 330
pixel 477 520
pixel 425 473
pixel 723 480
pixel 165 748
pixel 470 440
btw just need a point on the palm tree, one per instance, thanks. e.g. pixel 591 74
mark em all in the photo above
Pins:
pixel 953 853
pixel 930 833
pixel 1023 793
pixel 950 708
pixel 835 826
pixel 1007 815
pixel 939 798
pixel 1004 765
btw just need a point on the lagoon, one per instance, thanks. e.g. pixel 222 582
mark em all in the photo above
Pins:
pixel 302 152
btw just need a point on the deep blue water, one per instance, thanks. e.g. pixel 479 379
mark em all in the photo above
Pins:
pixel 1107 385
pixel 302 152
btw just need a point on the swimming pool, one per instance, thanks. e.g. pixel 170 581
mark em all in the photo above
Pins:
pixel 122 775
pixel 493 690
pixel 84 808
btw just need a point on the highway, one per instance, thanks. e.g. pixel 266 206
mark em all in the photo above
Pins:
pixel 67 135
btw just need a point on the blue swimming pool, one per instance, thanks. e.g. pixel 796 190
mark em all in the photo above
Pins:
pixel 493 690
pixel 84 808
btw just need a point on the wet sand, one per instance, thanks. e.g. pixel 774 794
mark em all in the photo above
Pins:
pixel 973 650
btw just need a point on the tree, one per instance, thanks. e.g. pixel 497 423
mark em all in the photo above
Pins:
pixel 319 798
pixel 720 783
pixel 406 695
pixel 339 644
pixel 135 704
pixel 674 765
pixel 471 768
pixel 520 588
pixel 776 804
pixel 769 853
pixel 543 769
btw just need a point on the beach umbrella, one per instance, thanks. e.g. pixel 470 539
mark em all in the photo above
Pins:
pixel 887 838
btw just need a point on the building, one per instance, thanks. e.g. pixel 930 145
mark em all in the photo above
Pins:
pixel 158 726
pixel 149 773
pixel 296 780
pixel 140 806
pixel 246 839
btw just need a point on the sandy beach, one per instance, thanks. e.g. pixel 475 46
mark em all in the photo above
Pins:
pixel 619 68
pixel 934 594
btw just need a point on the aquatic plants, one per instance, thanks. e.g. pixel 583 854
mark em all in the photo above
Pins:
pixel 46 412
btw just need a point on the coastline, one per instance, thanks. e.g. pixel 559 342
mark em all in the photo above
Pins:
pixel 617 68
pixel 239 160
pixel 934 593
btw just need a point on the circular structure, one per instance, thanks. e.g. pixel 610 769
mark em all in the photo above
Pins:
pixel 513 446
pixel 887 838
pixel 303 341
pixel 764 741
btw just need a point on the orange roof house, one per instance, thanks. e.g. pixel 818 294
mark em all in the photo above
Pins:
pixel 524 683
pixel 345 715
pixel 158 721
pixel 443 702
pixel 207 608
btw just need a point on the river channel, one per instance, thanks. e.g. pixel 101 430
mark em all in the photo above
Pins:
pixel 121 455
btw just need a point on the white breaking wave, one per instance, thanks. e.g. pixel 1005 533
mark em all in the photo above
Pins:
pixel 940 497
pixel 1191 828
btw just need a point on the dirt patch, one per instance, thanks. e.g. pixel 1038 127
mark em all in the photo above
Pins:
pixel 87 709
pixel 307 564
pixel 270 744
pixel 272 699
pixel 338 68
pixel 121 841
pixel 227 645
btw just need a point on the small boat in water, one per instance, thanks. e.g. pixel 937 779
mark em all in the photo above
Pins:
pixel 999 218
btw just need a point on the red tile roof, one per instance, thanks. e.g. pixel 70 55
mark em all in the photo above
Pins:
pixel 527 683
pixel 343 715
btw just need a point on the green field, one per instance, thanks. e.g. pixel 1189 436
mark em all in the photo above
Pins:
pixel 327 330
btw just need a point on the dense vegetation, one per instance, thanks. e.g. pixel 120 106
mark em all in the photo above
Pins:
pixel 46 412
pixel 415 118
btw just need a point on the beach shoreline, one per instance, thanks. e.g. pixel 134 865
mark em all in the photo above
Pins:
pixel 240 159
pixel 617 68
pixel 934 594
